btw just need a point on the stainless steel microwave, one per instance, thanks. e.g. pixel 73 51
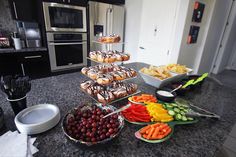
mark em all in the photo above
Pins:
pixel 64 18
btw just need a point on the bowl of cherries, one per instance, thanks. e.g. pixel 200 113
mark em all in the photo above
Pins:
pixel 86 125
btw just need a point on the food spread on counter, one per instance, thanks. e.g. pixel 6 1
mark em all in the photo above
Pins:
pixel 160 72
pixel 109 56
pixel 106 87
pixel 105 74
pixel 155 131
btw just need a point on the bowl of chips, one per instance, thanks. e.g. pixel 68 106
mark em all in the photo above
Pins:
pixel 157 76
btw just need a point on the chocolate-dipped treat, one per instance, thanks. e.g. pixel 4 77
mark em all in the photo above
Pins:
pixel 105 96
pixel 118 75
pixel 85 84
pixel 120 92
pixel 104 79
pixel 94 89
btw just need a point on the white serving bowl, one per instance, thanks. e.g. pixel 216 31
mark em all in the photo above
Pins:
pixel 37 119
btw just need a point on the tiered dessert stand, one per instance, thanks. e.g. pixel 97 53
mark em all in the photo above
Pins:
pixel 108 47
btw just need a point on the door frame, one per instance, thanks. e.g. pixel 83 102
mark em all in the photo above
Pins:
pixel 215 68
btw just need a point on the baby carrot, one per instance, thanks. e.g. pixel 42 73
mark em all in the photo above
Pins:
pixel 167 132
pixel 150 133
pixel 154 135
pixel 143 130
pixel 148 130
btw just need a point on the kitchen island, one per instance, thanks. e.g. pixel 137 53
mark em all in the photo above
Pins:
pixel 195 140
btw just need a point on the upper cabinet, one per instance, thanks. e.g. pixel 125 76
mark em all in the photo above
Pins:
pixel 72 2
pixel 23 10
pixel 118 2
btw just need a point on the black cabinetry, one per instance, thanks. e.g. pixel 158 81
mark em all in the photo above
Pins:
pixel 118 2
pixel 70 2
pixel 24 10
pixel 33 64
pixel 9 65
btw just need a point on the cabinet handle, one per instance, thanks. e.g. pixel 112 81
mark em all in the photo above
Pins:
pixel 73 43
pixel 30 57
pixel 14 7
pixel 23 69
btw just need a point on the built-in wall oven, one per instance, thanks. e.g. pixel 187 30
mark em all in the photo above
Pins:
pixel 66 35
pixel 67 51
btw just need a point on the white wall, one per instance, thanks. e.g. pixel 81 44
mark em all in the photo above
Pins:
pixel 132 27
pixel 219 19
pixel 190 54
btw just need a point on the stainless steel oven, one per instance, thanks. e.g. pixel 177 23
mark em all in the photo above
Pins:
pixel 64 18
pixel 67 50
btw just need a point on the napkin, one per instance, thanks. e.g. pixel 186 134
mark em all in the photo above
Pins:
pixel 14 144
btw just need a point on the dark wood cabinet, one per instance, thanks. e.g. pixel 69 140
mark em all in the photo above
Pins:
pixel 9 65
pixel 33 64
pixel 117 2
pixel 70 2
pixel 24 10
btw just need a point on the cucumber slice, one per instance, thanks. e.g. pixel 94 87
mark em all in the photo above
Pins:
pixel 176 109
pixel 190 118
pixel 171 112
pixel 181 108
pixel 182 113
pixel 178 117
pixel 185 110
pixel 184 118
pixel 169 106
pixel 175 105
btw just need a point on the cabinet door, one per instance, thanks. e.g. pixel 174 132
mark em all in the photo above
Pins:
pixel 9 65
pixel 56 1
pixel 157 24
pixel 35 64
pixel 72 2
pixel 118 2
pixel 24 10
pixel 78 2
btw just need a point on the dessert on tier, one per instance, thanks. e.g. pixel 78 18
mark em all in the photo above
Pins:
pixel 105 74
pixel 109 56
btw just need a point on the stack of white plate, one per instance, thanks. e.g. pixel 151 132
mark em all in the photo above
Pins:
pixel 37 119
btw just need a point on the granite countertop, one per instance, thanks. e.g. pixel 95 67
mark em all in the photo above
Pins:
pixel 197 140
pixel 12 50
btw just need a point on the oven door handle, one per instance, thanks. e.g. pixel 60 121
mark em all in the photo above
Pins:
pixel 73 43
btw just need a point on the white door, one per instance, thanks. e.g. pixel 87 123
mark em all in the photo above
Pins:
pixel 157 24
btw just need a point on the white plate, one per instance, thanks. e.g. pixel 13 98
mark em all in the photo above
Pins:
pixel 37 119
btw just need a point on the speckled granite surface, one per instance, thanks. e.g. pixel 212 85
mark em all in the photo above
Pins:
pixel 197 140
